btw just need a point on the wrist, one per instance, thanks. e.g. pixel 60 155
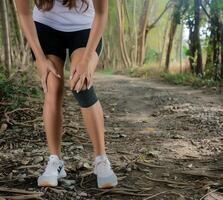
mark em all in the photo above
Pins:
pixel 39 54
pixel 41 58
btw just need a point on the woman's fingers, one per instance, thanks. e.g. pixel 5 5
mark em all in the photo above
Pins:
pixel 72 73
pixel 80 84
pixel 52 68
pixel 44 67
pixel 44 82
pixel 74 80
pixel 81 81
pixel 88 79
pixel 90 82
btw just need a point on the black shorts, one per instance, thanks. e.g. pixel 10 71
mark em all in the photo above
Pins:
pixel 56 42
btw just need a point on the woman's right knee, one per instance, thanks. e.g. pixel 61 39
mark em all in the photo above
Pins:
pixel 55 89
pixel 55 85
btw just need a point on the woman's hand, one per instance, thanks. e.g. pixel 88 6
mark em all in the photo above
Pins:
pixel 81 74
pixel 83 71
pixel 45 66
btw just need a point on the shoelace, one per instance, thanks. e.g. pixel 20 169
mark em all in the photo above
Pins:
pixel 103 163
pixel 50 164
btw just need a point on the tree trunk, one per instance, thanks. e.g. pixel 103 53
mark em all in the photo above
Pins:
pixel 142 33
pixel 121 19
pixel 217 47
pixel 18 48
pixel 214 61
pixel 221 51
pixel 180 47
pixel 192 48
pixel 209 60
pixel 164 42
pixel 172 32
pixel 5 37
pixel 197 13
pixel 135 34
pixel 173 28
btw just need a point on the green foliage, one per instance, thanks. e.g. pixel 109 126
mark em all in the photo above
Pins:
pixel 188 79
pixel 106 71
pixel 152 55
pixel 180 9
pixel 186 51
pixel 209 71
pixel 217 5
pixel 2 74
pixel 16 94
pixel 145 71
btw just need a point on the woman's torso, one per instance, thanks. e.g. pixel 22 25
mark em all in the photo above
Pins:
pixel 63 19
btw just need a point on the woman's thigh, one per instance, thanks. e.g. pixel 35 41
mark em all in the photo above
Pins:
pixel 52 41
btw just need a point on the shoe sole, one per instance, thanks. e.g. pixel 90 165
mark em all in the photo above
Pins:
pixel 107 184
pixel 46 184
pixel 52 183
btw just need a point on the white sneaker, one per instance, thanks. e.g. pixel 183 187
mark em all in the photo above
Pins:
pixel 54 171
pixel 106 178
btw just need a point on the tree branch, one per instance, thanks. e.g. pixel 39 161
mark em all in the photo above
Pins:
pixel 150 26
pixel 205 11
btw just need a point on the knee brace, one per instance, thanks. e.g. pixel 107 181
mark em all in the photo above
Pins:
pixel 85 98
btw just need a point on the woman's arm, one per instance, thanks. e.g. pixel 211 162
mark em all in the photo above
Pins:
pixel 28 27
pixel 44 65
pixel 98 26
pixel 97 29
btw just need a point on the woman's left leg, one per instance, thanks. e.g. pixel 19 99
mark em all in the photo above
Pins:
pixel 94 122
pixel 92 116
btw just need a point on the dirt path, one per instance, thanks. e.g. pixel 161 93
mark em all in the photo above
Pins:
pixel 165 142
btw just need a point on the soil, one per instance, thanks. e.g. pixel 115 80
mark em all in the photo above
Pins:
pixel 164 142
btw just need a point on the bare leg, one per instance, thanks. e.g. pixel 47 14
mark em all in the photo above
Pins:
pixel 92 116
pixel 94 123
pixel 52 108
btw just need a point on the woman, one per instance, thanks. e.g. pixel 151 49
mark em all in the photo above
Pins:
pixel 54 27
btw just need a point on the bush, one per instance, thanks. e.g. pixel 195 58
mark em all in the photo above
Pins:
pixel 16 93
pixel 152 55
pixel 188 78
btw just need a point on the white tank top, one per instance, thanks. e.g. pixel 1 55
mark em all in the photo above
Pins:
pixel 63 19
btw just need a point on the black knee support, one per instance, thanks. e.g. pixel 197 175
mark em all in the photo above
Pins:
pixel 85 98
